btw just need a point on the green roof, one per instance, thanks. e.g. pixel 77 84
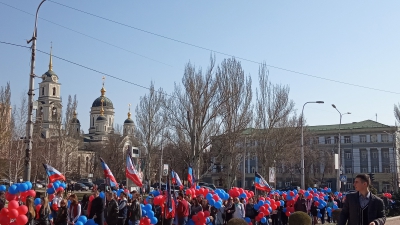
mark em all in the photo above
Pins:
pixel 348 126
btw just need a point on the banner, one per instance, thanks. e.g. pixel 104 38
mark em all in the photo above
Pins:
pixel 272 174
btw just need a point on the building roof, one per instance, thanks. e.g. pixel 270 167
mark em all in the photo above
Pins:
pixel 366 124
pixel 101 117
pixel 129 120
pixel 107 102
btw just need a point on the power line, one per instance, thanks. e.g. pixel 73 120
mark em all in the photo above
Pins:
pixel 88 68
pixel 86 35
pixel 219 52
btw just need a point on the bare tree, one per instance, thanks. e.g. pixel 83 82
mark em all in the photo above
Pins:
pixel 235 111
pixel 279 125
pixel 397 112
pixel 150 124
pixel 193 110
pixel 5 119
pixel 113 155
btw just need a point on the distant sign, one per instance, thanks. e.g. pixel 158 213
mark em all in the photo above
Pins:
pixel 343 178
pixel 165 170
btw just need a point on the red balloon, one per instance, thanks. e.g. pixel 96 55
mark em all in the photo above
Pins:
pixel 13 205
pixel 200 214
pixel 22 210
pixel 51 197
pixel 316 204
pixel 4 212
pixel 10 197
pixel 215 197
pixel 60 189
pixel 206 214
pixel 195 218
pixel 55 207
pixel 291 193
pixel 287 213
pixel 188 192
pixel 50 185
pixel 13 213
pixel 91 198
pixel 31 193
pixel 22 220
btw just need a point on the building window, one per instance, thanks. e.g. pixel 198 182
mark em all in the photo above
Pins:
pixel 373 138
pixel 348 170
pixel 387 169
pixel 363 155
pixel 363 138
pixel 384 138
pixel 279 170
pixel 105 129
pixel 364 170
pixel 385 154
pixel 288 184
pixel 253 169
pixel 97 128
pixel 347 139
pixel 374 155
pixel 315 140
pixel 279 184
pixel 316 170
pixel 42 90
pixel 336 139
pixel 327 140
pixel 348 155
pixel 54 91
pixel 375 169
pixel 329 185
pixel 349 186
pixel 54 111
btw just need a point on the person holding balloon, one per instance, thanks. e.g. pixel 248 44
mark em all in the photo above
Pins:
pixel 31 214
pixel 44 212
pixel 74 210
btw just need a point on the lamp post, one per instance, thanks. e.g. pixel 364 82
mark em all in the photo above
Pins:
pixel 29 123
pixel 161 159
pixel 302 144
pixel 338 182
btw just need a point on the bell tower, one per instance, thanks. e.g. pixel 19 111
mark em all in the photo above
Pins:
pixel 129 125
pixel 48 115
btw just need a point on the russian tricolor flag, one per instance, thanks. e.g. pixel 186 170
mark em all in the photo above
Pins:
pixel 131 172
pixel 53 174
pixel 260 183
pixel 176 180
pixel 108 174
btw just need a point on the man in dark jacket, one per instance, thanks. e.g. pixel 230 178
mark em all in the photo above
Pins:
pixel 112 210
pixel 300 204
pixel 362 207
pixel 123 209
pixel 136 210
pixel 97 208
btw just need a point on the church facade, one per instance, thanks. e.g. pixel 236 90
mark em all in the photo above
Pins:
pixel 80 159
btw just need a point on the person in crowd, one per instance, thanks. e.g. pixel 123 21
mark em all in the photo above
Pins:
pixel 168 215
pixel 301 204
pixel 250 212
pixel 85 204
pixel 229 209
pixel 136 209
pixel 362 207
pixel 239 209
pixel 284 218
pixel 196 207
pixel 44 212
pixel 220 215
pixel 97 208
pixel 2 200
pixel 62 213
pixel 31 214
pixel 112 210
pixel 314 213
pixel 74 211
pixel 330 204
pixel 122 209
pixel 182 210
pixel 204 205
pixel 56 201
pixel 276 214
pixel 322 211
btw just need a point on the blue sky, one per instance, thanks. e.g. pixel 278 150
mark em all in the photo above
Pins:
pixel 354 42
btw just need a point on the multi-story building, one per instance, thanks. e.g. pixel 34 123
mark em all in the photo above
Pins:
pixel 366 147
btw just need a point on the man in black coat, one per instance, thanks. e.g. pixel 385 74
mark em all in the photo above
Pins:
pixel 362 207
pixel 97 208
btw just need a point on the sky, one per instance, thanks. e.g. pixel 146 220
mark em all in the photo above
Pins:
pixel 312 46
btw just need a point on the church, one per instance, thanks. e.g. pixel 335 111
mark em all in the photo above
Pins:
pixel 49 123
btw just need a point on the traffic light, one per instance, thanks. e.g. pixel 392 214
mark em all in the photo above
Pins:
pixel 371 176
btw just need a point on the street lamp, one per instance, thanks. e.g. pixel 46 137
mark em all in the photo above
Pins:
pixel 302 145
pixel 29 123
pixel 338 182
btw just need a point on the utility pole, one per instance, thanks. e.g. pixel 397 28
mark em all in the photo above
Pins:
pixel 29 123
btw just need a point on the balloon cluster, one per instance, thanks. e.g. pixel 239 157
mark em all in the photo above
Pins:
pixel 240 193
pixel 55 187
pixel 148 215
pixel 214 199
pixel 126 191
pixel 14 214
pixel 387 195
pixel 21 190
pixel 200 218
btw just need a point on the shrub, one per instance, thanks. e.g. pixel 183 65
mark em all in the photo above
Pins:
pixel 237 221
pixel 336 214
pixel 299 218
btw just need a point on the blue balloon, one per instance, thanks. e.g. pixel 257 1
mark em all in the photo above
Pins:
pixel 257 207
pixel 102 195
pixel 197 187
pixel 329 209
pixel 50 191
pixel 119 192
pixel 316 198
pixel 263 220
pixel 208 220
pixel 247 219
pixel 37 201
pixel 212 202
pixel 150 213
pixel 29 185
pixel 79 223
pixel 319 215
pixel 329 190
pixel 69 203
pixel 144 212
pixel 51 216
pixel 190 222
pixel 218 205
pixel 22 187
pixel 309 189
pixel 153 220
pixel 156 193
pixel 83 219
pixel 335 207
pixel 147 207
pixel 56 185
pixel 209 196
pixel 306 193
pixel 13 189
pixel 63 185
pixel 282 203
pixel 3 188
pixel 288 197
pixel 90 222
pixel 284 210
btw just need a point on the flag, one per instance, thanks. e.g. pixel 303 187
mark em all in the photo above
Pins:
pixel 53 174
pixel 108 174
pixel 176 180
pixel 190 177
pixel 131 172
pixel 260 183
